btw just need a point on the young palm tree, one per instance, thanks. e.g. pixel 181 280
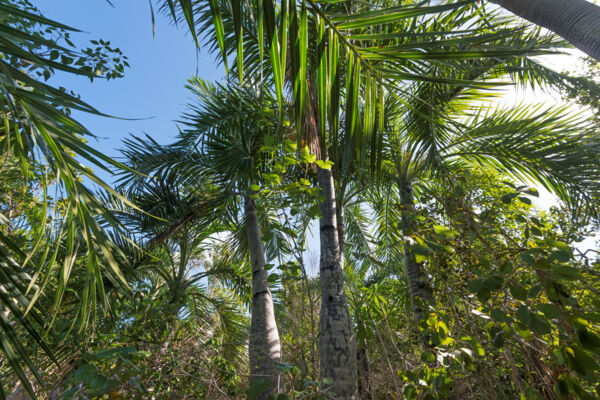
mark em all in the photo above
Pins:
pixel 180 275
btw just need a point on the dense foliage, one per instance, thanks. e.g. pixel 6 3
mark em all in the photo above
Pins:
pixel 349 214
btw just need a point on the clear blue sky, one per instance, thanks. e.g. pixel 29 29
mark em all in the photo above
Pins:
pixel 152 87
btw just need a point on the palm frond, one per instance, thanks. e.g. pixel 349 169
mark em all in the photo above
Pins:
pixel 551 146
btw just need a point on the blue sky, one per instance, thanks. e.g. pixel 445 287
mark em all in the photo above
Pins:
pixel 153 87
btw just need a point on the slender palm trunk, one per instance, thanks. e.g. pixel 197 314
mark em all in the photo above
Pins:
pixel 337 347
pixel 364 370
pixel 420 291
pixel 341 227
pixel 577 21
pixel 362 359
pixel 264 347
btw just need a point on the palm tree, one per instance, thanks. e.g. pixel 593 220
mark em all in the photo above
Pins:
pixel 228 128
pixel 577 21
pixel 221 146
pixel 181 276
pixel 353 148
pixel 548 146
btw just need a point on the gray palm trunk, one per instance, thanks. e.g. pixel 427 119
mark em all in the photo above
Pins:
pixel 362 359
pixel 577 21
pixel 419 289
pixel 264 347
pixel 337 342
pixel 364 369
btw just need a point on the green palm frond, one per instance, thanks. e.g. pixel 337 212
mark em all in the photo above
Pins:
pixel 387 236
pixel 37 126
pixel 550 146
pixel 359 235
pixel 229 271
pixel 223 318
pixel 14 321
pixel 353 56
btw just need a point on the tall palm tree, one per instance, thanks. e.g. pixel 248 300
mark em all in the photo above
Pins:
pixel 548 146
pixel 228 127
pixel 221 145
pixel 353 142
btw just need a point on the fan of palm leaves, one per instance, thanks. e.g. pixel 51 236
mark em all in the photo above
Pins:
pixel 37 125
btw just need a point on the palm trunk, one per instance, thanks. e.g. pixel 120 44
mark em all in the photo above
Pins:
pixel 420 291
pixel 577 21
pixel 364 370
pixel 362 359
pixel 264 347
pixel 337 347
pixel 341 227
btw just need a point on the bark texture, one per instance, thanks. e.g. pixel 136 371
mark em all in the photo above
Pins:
pixel 364 371
pixel 341 227
pixel 264 347
pixel 577 21
pixel 420 291
pixel 337 343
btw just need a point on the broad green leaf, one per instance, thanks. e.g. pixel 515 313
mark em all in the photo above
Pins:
pixel 442 230
pixel 475 285
pixel 589 339
pixel 509 197
pixel 86 373
pixel 324 164
pixel 306 157
pixel 549 310
pixel 539 325
pixel 524 200
pixel 523 315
